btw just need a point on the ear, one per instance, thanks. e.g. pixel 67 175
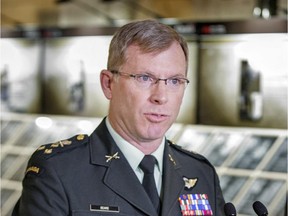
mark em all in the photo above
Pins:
pixel 105 80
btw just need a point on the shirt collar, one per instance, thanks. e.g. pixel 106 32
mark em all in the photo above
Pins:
pixel 133 155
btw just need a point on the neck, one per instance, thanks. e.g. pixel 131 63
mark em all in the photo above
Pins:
pixel 147 146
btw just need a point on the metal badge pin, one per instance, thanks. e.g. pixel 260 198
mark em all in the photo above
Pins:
pixel 171 159
pixel 61 143
pixel 55 145
pixel 48 151
pixel 110 157
pixel 64 142
pixel 190 183
pixel 80 137
pixel 33 169
pixel 41 148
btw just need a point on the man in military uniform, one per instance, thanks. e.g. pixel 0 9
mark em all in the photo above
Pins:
pixel 127 166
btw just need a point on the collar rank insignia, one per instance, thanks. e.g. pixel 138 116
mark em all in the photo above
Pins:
pixel 110 157
pixel 195 204
pixel 190 183
pixel 171 159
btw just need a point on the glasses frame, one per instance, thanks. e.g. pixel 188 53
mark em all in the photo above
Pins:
pixel 155 80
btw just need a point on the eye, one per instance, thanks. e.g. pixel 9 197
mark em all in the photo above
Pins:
pixel 175 81
pixel 144 78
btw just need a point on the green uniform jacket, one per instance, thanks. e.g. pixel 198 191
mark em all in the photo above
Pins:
pixel 89 175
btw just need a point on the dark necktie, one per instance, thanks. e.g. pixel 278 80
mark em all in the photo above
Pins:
pixel 147 166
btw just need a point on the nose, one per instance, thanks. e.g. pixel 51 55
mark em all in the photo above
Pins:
pixel 159 93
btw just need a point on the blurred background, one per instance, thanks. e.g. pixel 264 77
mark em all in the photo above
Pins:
pixel 234 110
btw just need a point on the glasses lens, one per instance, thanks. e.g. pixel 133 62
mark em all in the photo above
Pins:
pixel 144 80
pixel 176 83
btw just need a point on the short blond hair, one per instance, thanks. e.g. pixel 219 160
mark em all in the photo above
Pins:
pixel 150 35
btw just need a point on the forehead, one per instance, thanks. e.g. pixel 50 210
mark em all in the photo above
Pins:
pixel 170 61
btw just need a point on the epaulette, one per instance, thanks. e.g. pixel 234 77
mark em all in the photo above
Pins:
pixel 190 153
pixel 50 150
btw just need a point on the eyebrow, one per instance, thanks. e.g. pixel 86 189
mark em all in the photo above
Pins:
pixel 173 76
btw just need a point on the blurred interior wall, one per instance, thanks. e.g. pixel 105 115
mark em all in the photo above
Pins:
pixel 244 80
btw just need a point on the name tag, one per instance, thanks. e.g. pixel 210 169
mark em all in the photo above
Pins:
pixel 103 208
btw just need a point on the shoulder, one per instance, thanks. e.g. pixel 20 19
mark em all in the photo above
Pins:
pixel 38 162
pixel 189 154
pixel 50 150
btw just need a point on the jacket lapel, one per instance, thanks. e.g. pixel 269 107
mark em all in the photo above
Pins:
pixel 173 183
pixel 123 181
pixel 120 177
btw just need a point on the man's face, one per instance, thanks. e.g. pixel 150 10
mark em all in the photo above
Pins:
pixel 145 114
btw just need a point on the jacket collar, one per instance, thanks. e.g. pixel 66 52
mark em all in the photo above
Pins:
pixel 120 177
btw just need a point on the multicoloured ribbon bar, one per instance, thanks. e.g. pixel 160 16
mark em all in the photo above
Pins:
pixel 195 204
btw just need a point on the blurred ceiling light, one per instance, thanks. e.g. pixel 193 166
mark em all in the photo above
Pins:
pixel 257 12
pixel 44 122
pixel 266 13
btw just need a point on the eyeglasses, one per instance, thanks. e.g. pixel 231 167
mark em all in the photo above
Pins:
pixel 146 80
